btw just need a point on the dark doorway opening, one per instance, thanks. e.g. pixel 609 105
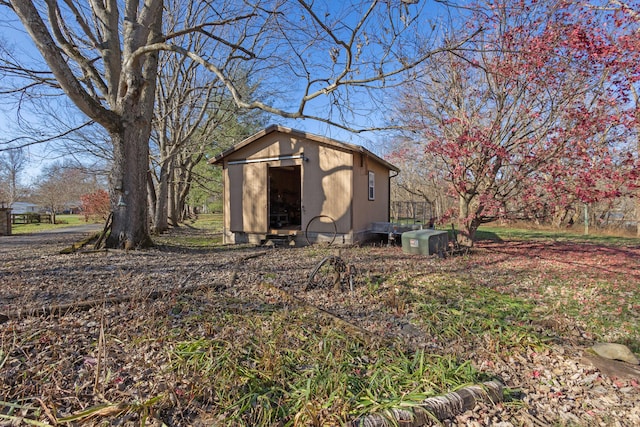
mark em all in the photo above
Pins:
pixel 285 198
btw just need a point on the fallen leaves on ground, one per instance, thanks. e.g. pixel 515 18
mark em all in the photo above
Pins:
pixel 114 360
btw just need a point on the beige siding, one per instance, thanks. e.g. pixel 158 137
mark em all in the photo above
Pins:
pixel 367 211
pixel 334 183
pixel 248 197
pixel 226 198
pixel 326 182
pixel 326 187
pixel 272 145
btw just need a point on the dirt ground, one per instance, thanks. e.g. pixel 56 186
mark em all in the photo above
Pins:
pixel 54 308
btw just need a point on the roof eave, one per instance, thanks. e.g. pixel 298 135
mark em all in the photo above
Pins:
pixel 318 138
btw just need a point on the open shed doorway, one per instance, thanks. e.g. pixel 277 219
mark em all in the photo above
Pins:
pixel 285 198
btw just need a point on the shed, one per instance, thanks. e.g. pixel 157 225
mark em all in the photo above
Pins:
pixel 285 182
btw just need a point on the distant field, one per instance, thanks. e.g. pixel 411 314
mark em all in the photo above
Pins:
pixel 212 223
pixel 523 232
pixel 61 222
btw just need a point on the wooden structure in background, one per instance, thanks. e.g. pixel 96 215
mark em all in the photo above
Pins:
pixel 5 221
pixel 309 188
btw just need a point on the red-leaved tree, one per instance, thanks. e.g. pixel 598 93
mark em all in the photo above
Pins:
pixel 619 23
pixel 96 204
pixel 524 120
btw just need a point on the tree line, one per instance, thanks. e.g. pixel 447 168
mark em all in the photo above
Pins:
pixel 513 109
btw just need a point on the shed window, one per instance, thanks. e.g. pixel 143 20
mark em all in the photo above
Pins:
pixel 372 185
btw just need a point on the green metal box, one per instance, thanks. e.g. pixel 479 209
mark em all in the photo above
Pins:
pixel 425 242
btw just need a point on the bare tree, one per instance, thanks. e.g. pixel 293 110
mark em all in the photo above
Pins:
pixel 421 177
pixel 189 110
pixel 62 185
pixel 12 164
pixel 104 55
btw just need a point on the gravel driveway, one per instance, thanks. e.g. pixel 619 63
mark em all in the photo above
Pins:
pixel 55 238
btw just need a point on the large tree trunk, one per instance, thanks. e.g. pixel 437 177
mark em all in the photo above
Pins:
pixel 151 195
pixel 129 173
pixel 184 193
pixel 175 214
pixel 468 222
pixel 134 105
pixel 183 188
pixel 128 184
pixel 173 208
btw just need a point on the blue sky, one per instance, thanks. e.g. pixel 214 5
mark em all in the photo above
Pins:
pixel 11 111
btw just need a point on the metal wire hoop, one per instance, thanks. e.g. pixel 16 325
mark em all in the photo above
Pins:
pixel 317 217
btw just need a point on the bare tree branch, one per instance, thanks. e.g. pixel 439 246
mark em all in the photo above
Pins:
pixel 25 141
pixel 32 21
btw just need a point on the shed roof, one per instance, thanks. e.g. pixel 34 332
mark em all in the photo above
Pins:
pixel 306 135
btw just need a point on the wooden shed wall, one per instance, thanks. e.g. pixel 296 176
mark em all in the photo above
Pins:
pixel 326 182
pixel 327 185
pixel 366 211
pixel 246 185
pixel 248 198
pixel 334 183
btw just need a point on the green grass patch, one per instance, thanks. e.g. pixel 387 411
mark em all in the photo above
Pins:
pixel 487 232
pixel 204 232
pixel 209 222
pixel 62 221
pixel 297 368
pixel 451 309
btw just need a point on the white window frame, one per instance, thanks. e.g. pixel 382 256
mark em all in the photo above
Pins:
pixel 372 185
